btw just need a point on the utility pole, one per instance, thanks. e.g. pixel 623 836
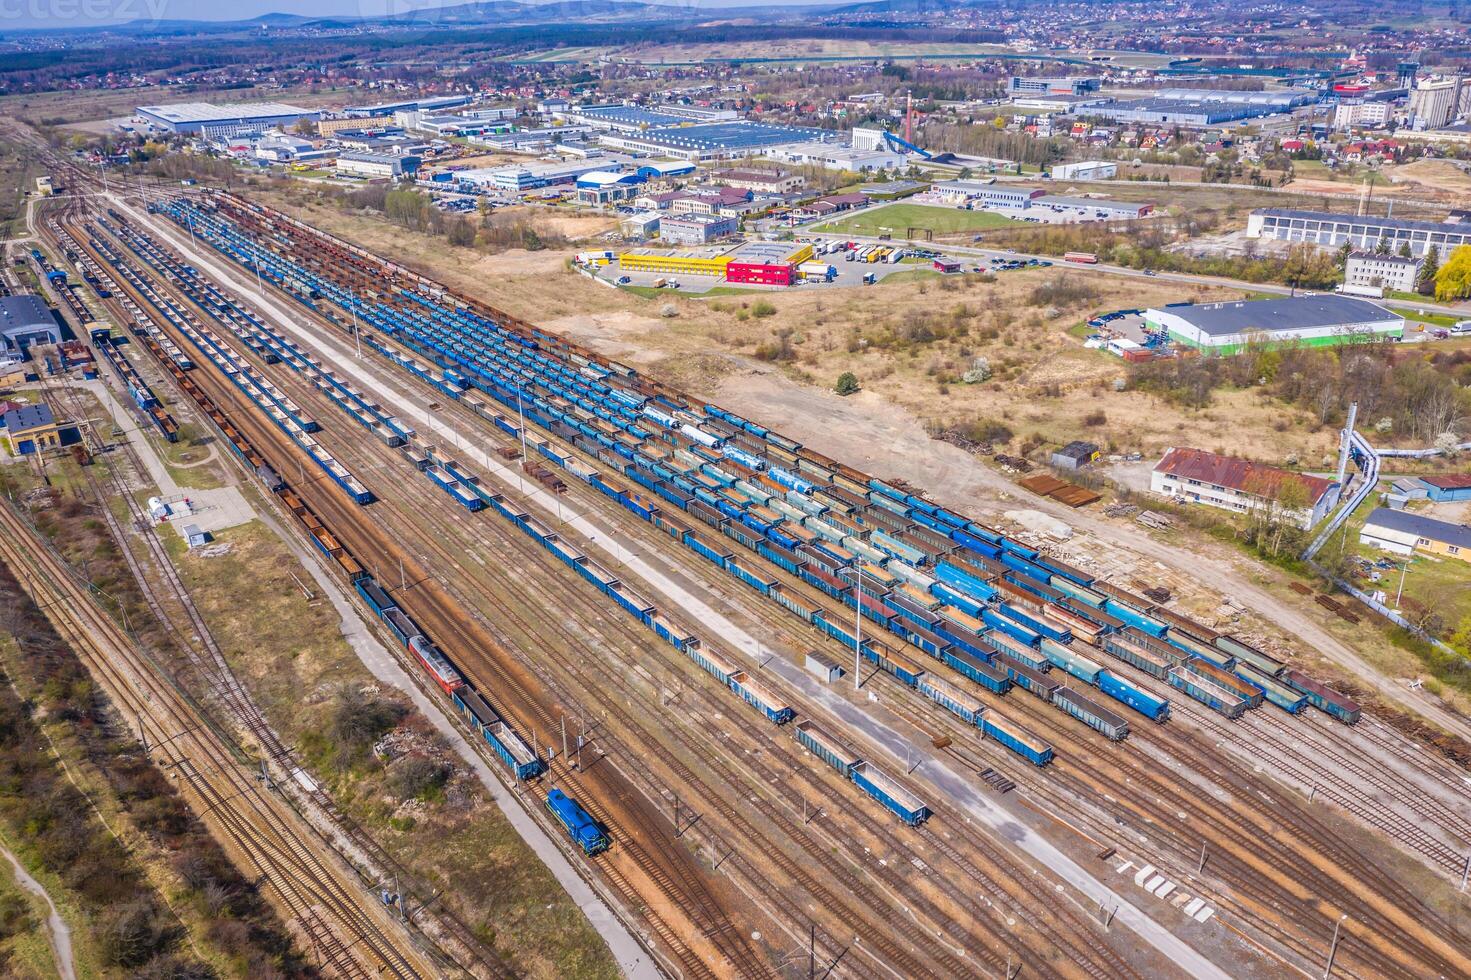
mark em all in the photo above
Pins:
pixel 1401 590
pixel 811 950
pixel 357 332
pixel 564 736
pixel 857 632
pixel 1333 949
pixel 1201 866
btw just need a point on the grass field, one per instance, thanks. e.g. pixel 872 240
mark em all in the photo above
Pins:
pixel 1434 319
pixel 898 218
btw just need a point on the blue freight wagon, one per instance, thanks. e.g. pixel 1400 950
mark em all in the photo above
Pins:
pixel 1151 707
pixel 758 696
pixel 1030 680
pixel 953 700
pixel 582 828
pixel 1071 661
pixel 1016 738
pixel 978 670
pixel 825 747
pixel 1288 699
pixel 898 800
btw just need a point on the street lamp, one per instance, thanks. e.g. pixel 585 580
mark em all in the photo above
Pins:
pixel 857 630
pixel 1402 570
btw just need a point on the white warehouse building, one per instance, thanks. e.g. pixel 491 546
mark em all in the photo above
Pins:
pixel 1090 170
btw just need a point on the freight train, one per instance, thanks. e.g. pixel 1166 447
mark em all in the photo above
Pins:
pixel 956 590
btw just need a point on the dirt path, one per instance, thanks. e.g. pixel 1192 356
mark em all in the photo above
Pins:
pixel 875 435
pixel 58 933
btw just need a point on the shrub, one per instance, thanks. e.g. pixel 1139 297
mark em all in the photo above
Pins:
pixel 847 383
pixel 416 777
pixel 762 308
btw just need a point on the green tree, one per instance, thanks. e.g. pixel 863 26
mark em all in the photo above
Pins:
pixel 1404 250
pixel 1425 285
pixel 1382 248
pixel 847 383
pixel 1453 280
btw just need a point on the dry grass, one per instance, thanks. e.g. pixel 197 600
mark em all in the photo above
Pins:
pixel 909 342
pixel 290 653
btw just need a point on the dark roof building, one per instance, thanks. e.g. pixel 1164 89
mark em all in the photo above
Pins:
pixel 1315 320
pixel 26 320
pixel 1405 533
pixel 1075 455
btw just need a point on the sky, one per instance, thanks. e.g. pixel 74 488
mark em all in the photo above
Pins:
pixel 61 14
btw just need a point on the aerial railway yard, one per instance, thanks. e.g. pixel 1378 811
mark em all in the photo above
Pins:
pixel 667 742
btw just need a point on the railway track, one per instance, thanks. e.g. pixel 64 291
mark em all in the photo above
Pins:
pixel 688 889
pixel 1117 966
pixel 332 913
pixel 364 467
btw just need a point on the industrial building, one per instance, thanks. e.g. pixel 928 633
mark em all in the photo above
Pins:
pixel 1363 232
pixel 1371 270
pixel 1177 112
pixel 1070 85
pixel 33 428
pixel 1449 488
pixel 696 229
pixel 1090 170
pixel 985 193
pixel 1437 101
pixel 1405 533
pixel 354 164
pixel 644 224
pixel 410 105
pixel 767 263
pixel 760 181
pixel 1239 485
pixel 525 177
pixel 621 118
pixel 26 321
pixel 1315 320
pixel 714 141
pixel 191 118
pixel 607 186
pixel 696 262
pixel 831 156
pixel 1095 207
pixel 531 140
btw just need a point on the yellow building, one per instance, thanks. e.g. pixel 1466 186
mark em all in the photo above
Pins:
pixel 1405 533
pixel 33 428
pixel 690 263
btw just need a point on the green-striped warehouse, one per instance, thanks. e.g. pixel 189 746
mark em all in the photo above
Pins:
pixel 1317 320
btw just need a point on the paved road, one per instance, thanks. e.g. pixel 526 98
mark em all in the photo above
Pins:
pixel 1185 278
pixel 58 933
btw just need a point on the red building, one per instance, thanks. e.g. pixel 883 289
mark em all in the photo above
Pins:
pixel 767 263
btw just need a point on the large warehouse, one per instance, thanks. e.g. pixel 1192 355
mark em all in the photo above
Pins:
pixel 714 141
pixel 1364 232
pixel 1317 320
pixel 25 320
pixel 194 117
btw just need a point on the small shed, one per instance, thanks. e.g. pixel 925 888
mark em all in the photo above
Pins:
pixel 1075 455
pixel 194 536
pixel 824 667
